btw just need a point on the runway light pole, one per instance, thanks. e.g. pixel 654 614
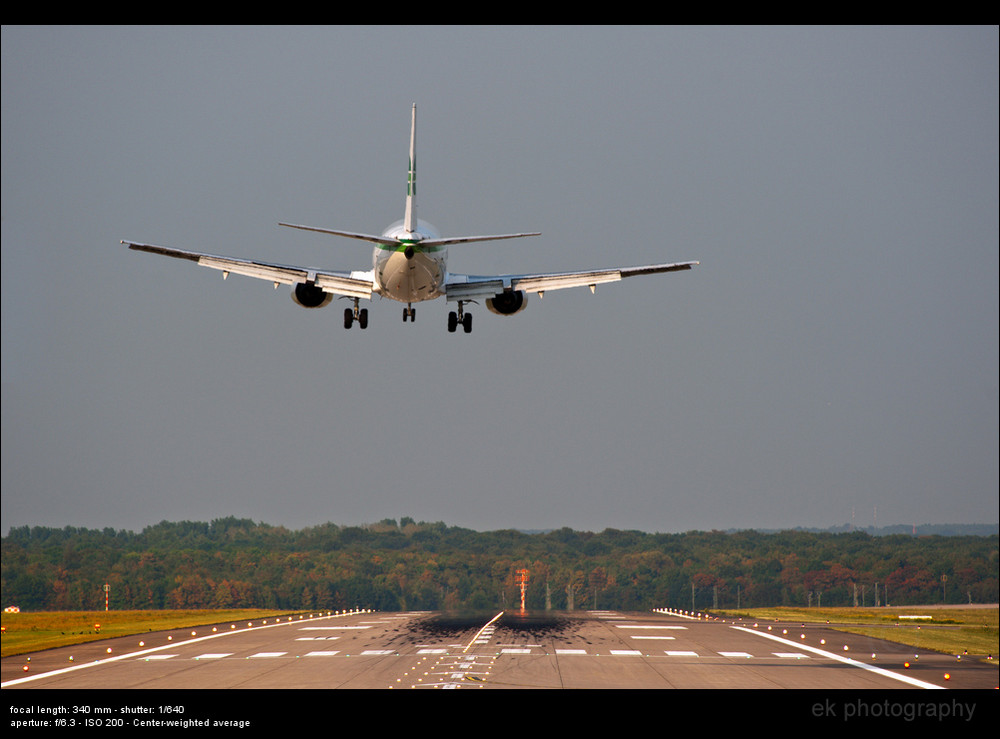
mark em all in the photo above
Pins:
pixel 521 578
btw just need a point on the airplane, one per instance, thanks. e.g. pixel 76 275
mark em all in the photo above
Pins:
pixel 409 266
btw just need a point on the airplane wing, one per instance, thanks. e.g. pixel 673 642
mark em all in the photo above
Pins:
pixel 470 287
pixel 352 284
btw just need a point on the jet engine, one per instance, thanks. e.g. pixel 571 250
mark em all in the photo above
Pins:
pixel 507 303
pixel 310 296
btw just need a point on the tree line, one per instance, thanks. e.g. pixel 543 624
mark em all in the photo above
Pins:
pixel 409 565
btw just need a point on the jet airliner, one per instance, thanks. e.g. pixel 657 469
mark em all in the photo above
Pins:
pixel 409 266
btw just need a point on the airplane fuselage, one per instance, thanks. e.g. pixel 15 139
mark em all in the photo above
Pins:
pixel 408 272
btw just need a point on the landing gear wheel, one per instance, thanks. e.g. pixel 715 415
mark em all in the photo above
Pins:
pixel 459 317
pixel 353 314
pixel 411 313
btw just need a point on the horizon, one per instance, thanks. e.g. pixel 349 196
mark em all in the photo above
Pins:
pixel 398 523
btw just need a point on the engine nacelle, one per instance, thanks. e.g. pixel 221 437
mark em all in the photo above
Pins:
pixel 310 296
pixel 507 303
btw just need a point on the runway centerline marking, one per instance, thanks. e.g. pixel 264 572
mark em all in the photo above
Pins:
pixel 477 639
pixel 642 626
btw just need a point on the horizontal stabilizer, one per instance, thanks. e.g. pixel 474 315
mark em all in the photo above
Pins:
pixel 392 241
pixel 467 239
pixel 385 240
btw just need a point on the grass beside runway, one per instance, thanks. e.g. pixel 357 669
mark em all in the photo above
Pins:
pixel 32 632
pixel 951 630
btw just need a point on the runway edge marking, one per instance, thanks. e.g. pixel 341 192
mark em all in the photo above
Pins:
pixel 845 660
pixel 129 655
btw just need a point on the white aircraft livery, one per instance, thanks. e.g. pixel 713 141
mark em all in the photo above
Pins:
pixel 410 266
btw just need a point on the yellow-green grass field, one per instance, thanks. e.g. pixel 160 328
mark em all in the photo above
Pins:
pixel 949 629
pixel 32 632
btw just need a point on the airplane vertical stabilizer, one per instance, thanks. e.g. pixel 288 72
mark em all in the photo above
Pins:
pixel 410 219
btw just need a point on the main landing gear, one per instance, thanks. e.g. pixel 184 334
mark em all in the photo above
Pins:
pixel 455 318
pixel 355 314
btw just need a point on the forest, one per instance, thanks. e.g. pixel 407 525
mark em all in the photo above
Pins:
pixel 408 565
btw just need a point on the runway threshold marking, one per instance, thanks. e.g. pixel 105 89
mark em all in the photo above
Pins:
pixel 845 660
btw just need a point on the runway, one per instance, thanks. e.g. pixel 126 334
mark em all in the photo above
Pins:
pixel 513 650
pixel 418 651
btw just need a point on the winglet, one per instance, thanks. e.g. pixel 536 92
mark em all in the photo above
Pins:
pixel 410 219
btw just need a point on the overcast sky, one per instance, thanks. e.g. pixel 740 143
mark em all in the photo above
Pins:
pixel 835 352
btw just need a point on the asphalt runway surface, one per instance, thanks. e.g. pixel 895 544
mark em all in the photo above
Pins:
pixel 419 651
